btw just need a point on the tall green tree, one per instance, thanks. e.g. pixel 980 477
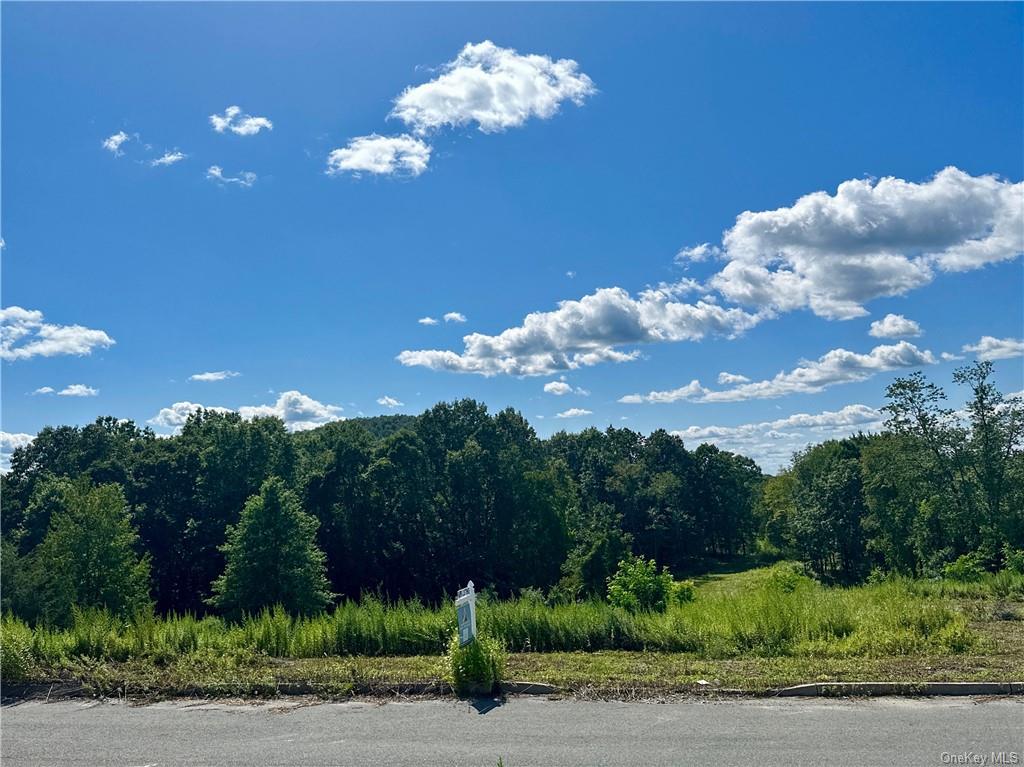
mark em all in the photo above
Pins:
pixel 88 557
pixel 272 557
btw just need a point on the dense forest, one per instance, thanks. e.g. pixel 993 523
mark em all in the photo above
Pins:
pixel 231 515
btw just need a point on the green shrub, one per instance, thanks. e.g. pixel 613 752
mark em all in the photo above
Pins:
pixel 1013 560
pixel 476 667
pixel 683 592
pixel 966 568
pixel 15 650
pixel 637 585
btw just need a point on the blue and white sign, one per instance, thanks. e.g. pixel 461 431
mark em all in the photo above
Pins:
pixel 465 609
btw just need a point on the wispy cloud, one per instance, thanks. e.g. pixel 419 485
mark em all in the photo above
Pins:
pixel 44 390
pixel 113 143
pixel 574 412
pixel 561 388
pixel 216 173
pixel 389 402
pixel 168 158
pixel 838 366
pixel 238 123
pixel 427 321
pixel 214 375
pixel 772 443
pixel 24 334
pixel 454 317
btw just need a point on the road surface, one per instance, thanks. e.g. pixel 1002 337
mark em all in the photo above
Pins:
pixel 522 731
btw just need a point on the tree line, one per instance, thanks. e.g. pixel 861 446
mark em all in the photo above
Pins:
pixel 233 514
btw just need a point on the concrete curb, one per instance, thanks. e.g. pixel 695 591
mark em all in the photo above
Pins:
pixel 528 688
pixel 833 689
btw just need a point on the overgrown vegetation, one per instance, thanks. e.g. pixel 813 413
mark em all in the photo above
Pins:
pixel 337 542
pixel 769 612
pixel 475 668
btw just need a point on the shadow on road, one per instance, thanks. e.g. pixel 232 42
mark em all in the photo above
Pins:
pixel 483 705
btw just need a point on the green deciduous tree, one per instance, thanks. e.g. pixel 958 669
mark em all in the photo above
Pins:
pixel 272 557
pixel 88 557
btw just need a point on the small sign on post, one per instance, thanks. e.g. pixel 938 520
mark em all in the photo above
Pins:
pixel 465 608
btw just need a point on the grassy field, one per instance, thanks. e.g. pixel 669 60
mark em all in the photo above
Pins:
pixel 750 631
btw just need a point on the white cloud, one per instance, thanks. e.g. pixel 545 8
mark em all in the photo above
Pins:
pixel 558 388
pixel 216 173
pixel 168 158
pixel 571 275
pixel 9 442
pixel 894 326
pixel 390 402
pixel 990 348
pixel 245 178
pixel 214 375
pixel 574 412
pixel 44 390
pixel 24 334
pixel 494 88
pixel 833 253
pixel 238 123
pixel 701 252
pixel 380 155
pixel 298 411
pixel 454 317
pixel 175 416
pixel 78 390
pixel 772 443
pixel 561 388
pixel 837 366
pixel 427 321
pixel 729 379
pixel 585 332
pixel 113 143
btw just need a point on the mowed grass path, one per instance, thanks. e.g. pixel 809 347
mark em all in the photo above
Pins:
pixel 751 631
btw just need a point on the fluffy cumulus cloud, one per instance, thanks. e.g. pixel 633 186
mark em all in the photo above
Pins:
pixel 561 388
pixel 728 379
pixel 175 416
pixel 9 442
pixel 78 390
pixel 389 402
pixel 894 326
pixel 493 88
pixel 454 317
pixel 238 123
pixel 214 375
pixel 298 411
pixel 113 143
pixel 772 443
pixel 168 158
pixel 380 155
pixel 834 252
pixel 24 334
pixel 990 348
pixel 574 412
pixel 245 179
pixel 837 366
pixel 586 332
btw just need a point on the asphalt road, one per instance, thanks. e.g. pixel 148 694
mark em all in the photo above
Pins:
pixel 523 731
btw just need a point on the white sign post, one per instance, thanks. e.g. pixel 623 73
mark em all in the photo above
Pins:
pixel 465 608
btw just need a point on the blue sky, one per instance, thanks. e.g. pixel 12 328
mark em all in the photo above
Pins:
pixel 583 155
